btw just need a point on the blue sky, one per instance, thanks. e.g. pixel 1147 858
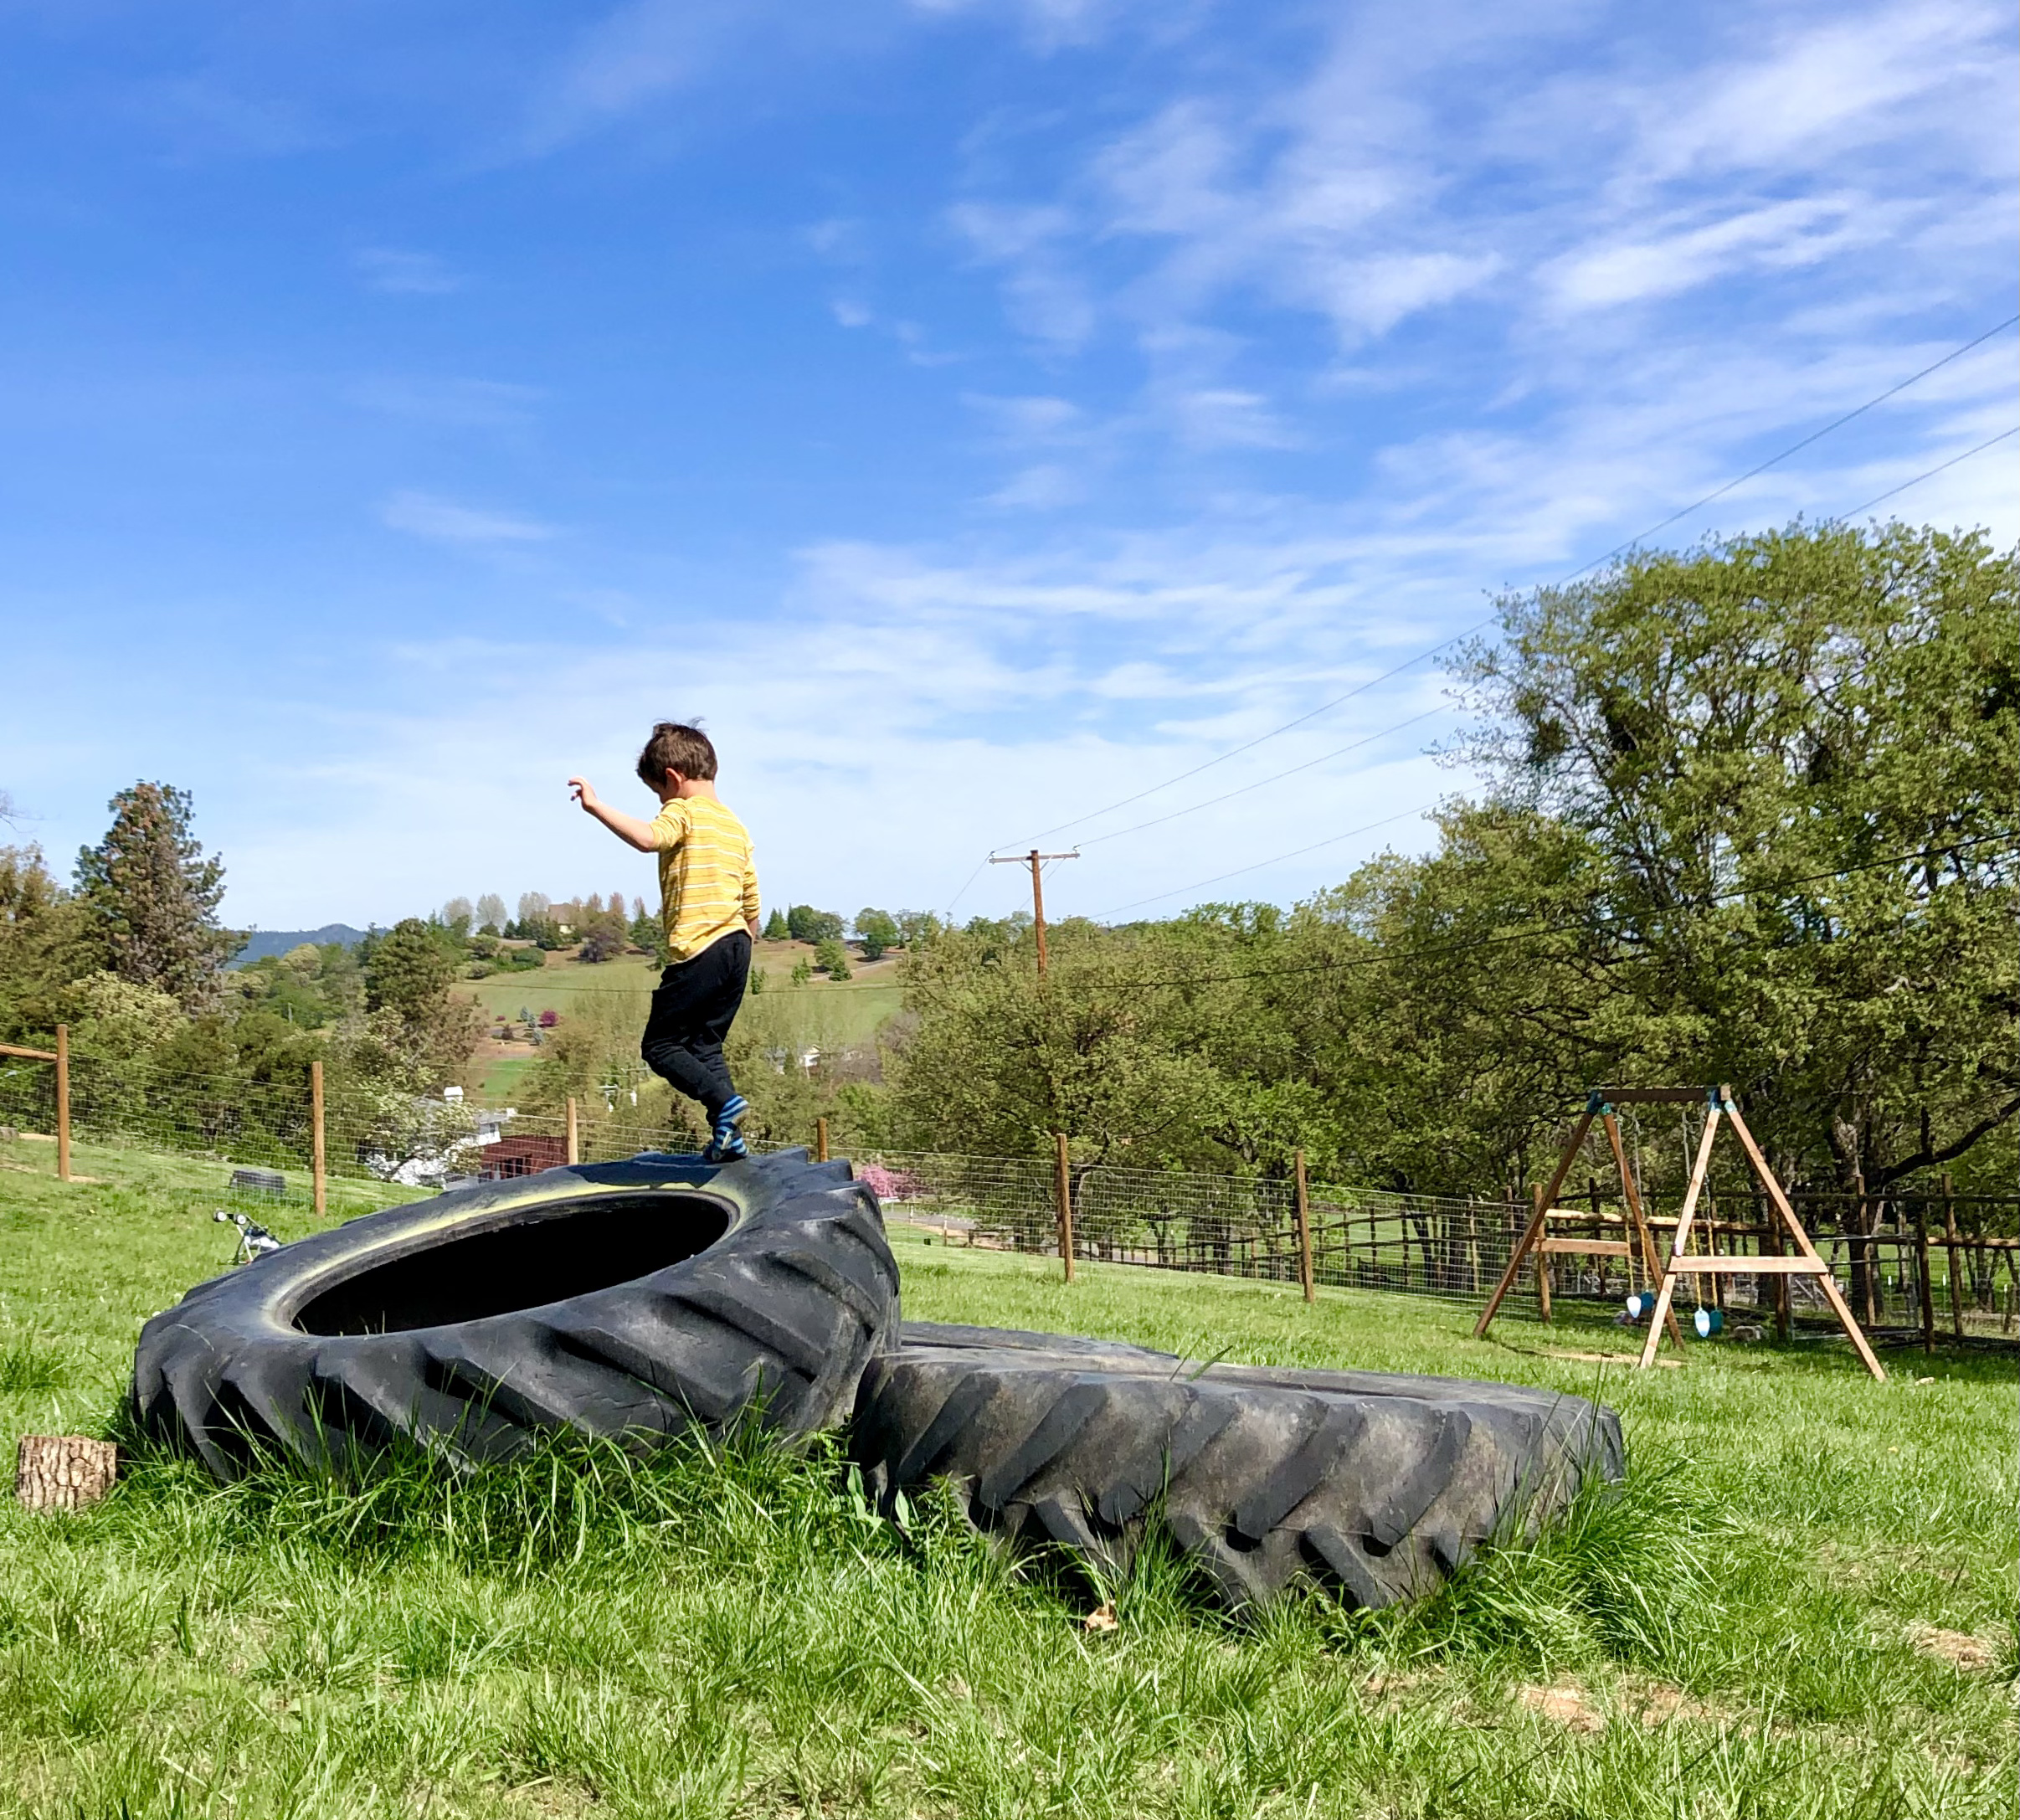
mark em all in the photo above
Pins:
pixel 978 413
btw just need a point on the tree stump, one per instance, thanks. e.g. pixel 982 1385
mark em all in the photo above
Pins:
pixel 64 1472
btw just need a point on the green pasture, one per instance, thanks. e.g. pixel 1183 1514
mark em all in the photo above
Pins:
pixel 1798 1606
pixel 860 1003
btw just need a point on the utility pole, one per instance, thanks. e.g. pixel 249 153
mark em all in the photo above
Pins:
pixel 1035 860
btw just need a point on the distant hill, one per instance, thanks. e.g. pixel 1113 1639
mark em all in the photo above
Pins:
pixel 265 942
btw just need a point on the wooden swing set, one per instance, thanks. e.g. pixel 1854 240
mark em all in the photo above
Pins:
pixel 1601 1104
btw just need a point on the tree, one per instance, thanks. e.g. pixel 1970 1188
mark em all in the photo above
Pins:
pixel 1790 762
pixel 459 918
pixel 490 913
pixel 532 907
pixel 775 928
pixel 996 1061
pixel 804 923
pixel 46 942
pixel 153 893
pixel 408 970
pixel 831 957
pixel 877 931
pixel 917 926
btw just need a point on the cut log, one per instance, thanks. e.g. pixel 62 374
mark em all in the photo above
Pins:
pixel 64 1472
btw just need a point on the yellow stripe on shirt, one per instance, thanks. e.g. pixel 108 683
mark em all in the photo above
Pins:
pixel 709 884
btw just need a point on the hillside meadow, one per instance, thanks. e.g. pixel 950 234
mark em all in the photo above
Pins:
pixel 1798 1605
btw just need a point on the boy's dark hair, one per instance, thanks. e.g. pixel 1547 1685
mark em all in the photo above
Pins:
pixel 676 748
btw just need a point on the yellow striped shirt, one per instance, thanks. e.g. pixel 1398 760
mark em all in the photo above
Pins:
pixel 708 886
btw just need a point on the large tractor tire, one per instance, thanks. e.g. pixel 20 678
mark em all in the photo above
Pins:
pixel 1381 1485
pixel 632 1300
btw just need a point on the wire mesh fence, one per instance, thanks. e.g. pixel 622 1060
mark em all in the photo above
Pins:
pixel 1911 1256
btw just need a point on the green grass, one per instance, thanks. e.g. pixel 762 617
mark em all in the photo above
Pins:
pixel 825 1014
pixel 560 985
pixel 730 1632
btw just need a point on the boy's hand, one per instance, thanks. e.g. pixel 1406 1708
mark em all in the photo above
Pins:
pixel 628 828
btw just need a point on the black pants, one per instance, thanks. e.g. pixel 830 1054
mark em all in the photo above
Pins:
pixel 696 1002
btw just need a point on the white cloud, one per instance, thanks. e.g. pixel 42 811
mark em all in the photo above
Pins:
pixel 402 272
pixel 1044 486
pixel 1046 300
pixel 629 57
pixel 1779 235
pixel 444 521
pixel 1814 91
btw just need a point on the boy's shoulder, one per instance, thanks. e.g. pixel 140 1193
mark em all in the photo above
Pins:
pixel 680 815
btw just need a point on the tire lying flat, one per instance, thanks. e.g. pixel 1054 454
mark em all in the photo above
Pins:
pixel 1379 1484
pixel 667 1294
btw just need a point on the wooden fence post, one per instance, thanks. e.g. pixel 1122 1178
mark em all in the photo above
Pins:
pixel 318 1152
pixel 1303 1207
pixel 1062 1185
pixel 1951 1244
pixel 63 1102
pixel 1543 1258
pixel 574 1133
pixel 820 1140
pixel 1924 1294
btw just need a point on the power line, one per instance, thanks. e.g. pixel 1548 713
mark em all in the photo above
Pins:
pixel 1472 942
pixel 1929 473
pixel 980 864
pixel 1794 448
pixel 1324 758
pixel 1235 752
pixel 1332 839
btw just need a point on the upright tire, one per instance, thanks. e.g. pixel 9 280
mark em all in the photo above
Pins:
pixel 636 1299
pixel 1379 1484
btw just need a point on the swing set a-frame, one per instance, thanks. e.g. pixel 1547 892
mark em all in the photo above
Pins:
pixel 1601 1104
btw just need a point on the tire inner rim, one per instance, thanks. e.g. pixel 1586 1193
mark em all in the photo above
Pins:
pixel 543 1253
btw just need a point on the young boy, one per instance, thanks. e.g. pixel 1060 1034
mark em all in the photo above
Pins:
pixel 708 911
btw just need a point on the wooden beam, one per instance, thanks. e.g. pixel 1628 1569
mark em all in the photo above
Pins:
pixel 1533 1230
pixel 28 1055
pixel 1725 1264
pixel 1826 1282
pixel 1652 1096
pixel 1585 1247
pixel 1302 1208
pixel 64 1103
pixel 1637 1214
pixel 1666 1292
pixel 319 1159
pixel 1062 1188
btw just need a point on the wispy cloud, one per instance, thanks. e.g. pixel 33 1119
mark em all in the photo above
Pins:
pixel 400 271
pixel 455 403
pixel 443 520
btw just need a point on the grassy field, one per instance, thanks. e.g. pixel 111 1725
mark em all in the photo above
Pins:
pixel 1800 1605
pixel 829 1013
pixel 561 983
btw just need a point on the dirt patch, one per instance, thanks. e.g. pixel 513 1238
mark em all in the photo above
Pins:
pixel 1566 1705
pixel 1956 1647
pixel 1609 1358
pixel 1660 1703
pixel 29 1169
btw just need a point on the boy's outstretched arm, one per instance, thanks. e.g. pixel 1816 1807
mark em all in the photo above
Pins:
pixel 628 828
